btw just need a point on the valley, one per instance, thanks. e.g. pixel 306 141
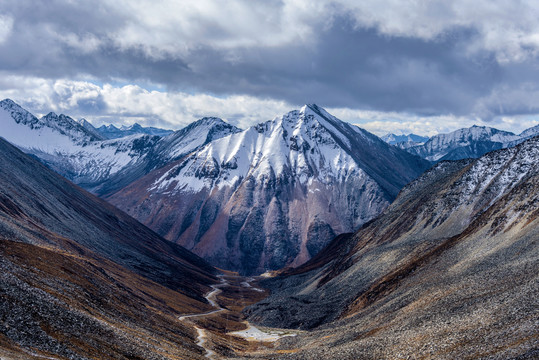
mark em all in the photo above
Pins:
pixel 365 245
pixel 269 180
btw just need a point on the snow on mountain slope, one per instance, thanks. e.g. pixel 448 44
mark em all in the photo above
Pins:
pixel 75 151
pixel 67 147
pixel 529 133
pixel 464 143
pixel 168 149
pixel 48 134
pixel 193 136
pixel 274 194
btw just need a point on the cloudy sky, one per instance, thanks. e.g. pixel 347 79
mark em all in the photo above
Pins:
pixel 399 66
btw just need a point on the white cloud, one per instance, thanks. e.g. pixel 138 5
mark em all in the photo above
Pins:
pixel 508 28
pixel 6 26
pixel 124 105
pixel 173 28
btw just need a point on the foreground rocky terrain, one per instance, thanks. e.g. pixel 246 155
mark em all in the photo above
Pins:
pixel 448 271
pixel 82 280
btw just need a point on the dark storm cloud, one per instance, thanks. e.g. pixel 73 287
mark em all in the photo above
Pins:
pixel 342 65
pixel 360 68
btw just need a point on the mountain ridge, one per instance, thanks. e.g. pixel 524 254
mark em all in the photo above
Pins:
pixel 112 132
pixel 74 150
pixel 470 142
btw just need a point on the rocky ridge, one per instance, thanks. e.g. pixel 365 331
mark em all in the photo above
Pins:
pixel 465 143
pixel 81 279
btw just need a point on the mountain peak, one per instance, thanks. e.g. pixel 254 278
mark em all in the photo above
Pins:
pixel 304 167
pixel 317 110
pixel 51 115
pixel 209 120
pixel 8 102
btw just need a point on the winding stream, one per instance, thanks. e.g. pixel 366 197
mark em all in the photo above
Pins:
pixel 252 333
pixel 211 297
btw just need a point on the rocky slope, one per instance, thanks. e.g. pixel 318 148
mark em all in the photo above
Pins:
pixel 448 271
pixel 80 279
pixel 274 194
pixel 79 153
pixel 91 129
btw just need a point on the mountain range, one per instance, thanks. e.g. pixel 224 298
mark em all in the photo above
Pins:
pixel 422 261
pixel 404 141
pixel 266 197
pixel 309 175
pixel 112 132
pixel 79 153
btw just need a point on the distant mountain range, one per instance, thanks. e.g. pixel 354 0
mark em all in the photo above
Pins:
pixel 396 139
pixel 404 141
pixel 464 143
pixel 112 132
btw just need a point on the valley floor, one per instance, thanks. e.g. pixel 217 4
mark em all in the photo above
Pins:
pixel 222 332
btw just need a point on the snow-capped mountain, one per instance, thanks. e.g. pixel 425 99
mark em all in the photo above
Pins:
pixel 165 150
pixel 405 141
pixel 464 143
pixel 112 132
pixel 529 133
pixel 274 194
pixel 91 129
pixel 49 133
pixel 74 150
